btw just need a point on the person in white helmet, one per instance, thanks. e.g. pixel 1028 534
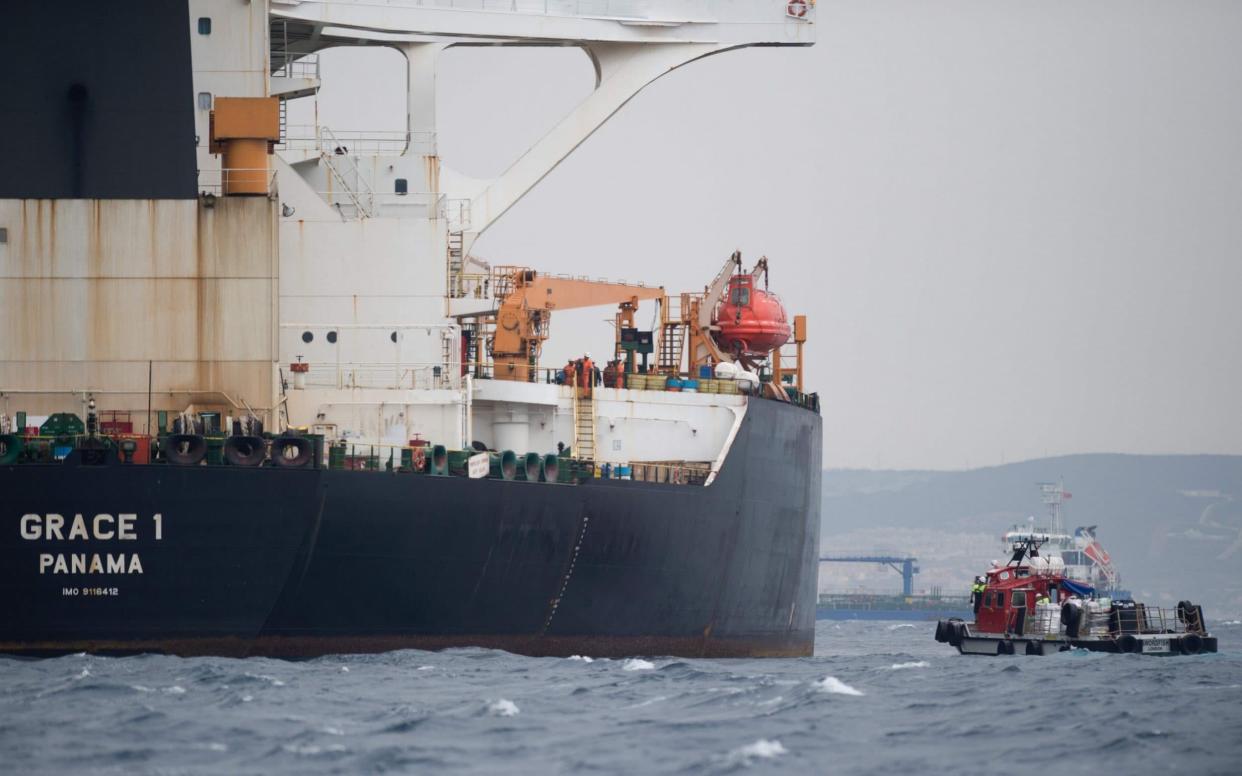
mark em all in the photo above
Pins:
pixel 588 374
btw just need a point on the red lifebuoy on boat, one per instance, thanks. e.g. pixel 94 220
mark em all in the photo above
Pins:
pixel 796 8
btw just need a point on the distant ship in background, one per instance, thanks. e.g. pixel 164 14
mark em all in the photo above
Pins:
pixel 1084 558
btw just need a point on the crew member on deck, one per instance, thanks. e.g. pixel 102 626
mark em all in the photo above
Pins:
pixel 587 374
pixel 976 592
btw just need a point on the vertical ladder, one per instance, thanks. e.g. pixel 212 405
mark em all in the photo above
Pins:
pixel 284 121
pixel 672 336
pixel 446 363
pixel 456 265
pixel 584 425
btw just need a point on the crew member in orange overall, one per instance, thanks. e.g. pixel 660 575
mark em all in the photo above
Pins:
pixel 587 374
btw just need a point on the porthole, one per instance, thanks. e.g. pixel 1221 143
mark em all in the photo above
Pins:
pixel 393 336
pixel 307 336
pixel 332 337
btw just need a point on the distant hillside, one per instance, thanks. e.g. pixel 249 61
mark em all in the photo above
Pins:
pixel 1173 524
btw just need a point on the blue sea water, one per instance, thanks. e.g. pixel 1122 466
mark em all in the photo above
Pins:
pixel 878 697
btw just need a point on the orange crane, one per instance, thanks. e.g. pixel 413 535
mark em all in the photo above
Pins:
pixel 525 301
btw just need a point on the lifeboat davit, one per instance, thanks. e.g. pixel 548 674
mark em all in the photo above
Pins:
pixel 750 321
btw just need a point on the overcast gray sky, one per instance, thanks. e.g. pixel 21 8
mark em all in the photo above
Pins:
pixel 1016 227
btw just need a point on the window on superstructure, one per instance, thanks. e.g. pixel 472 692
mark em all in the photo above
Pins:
pixel 204 100
pixel 204 25
pixel 740 296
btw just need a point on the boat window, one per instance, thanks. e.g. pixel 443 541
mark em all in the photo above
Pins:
pixel 204 25
pixel 1019 599
pixel 1000 599
pixel 740 296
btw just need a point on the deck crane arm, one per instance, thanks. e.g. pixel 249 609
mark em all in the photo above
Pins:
pixel 525 303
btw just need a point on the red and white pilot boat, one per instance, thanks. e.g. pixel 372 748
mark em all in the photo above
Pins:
pixel 1030 607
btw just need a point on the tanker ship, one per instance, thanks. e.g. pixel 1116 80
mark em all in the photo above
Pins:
pixel 258 396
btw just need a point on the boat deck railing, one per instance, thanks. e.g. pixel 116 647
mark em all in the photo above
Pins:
pixel 1106 622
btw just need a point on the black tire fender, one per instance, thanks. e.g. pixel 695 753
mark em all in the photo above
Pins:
pixel 292 452
pixel 1190 644
pixel 184 449
pixel 245 450
pixel 1128 644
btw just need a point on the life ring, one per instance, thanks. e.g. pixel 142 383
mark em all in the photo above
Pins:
pixel 796 9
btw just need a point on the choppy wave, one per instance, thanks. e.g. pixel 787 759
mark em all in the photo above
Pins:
pixel 874 700
pixel 763 749
pixel 911 664
pixel 834 686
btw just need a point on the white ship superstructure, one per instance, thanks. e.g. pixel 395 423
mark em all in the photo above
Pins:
pixel 1082 556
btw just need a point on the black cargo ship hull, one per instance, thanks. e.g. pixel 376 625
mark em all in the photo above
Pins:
pixel 298 563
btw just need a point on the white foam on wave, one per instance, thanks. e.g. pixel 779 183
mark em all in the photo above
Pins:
pixel 503 708
pixel 763 749
pixel 311 749
pixel 637 664
pixel 900 625
pixel 425 668
pixel 141 688
pixel 582 658
pixel 344 669
pixel 176 689
pixel 247 698
pixel 271 679
pixel 85 673
pixel 915 664
pixel 1232 622
pixel 834 686
pixel 649 702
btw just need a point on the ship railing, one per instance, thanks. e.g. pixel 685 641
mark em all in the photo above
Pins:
pixel 311 137
pixel 1101 623
pixel 289 65
pixel 485 370
pixel 476 285
pixel 697 10
pixel 384 375
pixel 218 181
pixel 675 473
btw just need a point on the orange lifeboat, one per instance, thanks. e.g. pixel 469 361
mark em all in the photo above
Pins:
pixel 750 321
